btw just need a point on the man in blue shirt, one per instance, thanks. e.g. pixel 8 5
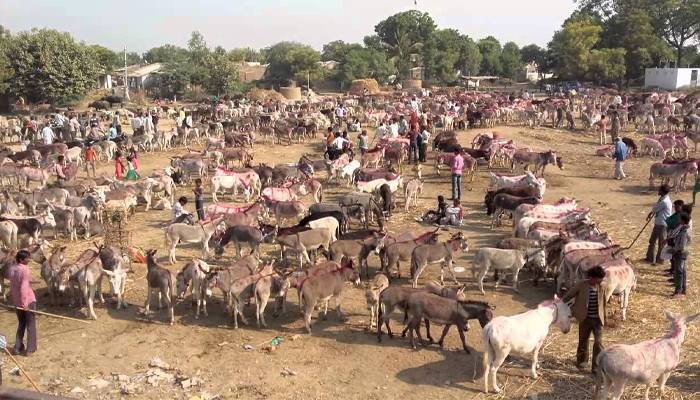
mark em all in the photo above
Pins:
pixel 620 155
pixel 660 212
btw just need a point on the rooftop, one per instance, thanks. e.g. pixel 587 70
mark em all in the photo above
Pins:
pixel 139 69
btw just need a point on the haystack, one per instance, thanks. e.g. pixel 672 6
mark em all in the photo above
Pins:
pixel 265 94
pixel 358 86
pixel 291 93
pixel 412 84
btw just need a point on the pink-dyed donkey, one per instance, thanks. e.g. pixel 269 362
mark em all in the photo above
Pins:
pixel 645 363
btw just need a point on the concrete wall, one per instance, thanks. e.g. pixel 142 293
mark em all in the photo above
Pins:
pixel 669 78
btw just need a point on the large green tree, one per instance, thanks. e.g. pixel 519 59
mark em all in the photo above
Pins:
pixel 403 35
pixel 571 47
pixel 223 74
pixel 338 50
pixel 607 65
pixel 511 60
pixel 50 65
pixel 6 71
pixel 245 54
pixel 292 61
pixel 362 63
pixel 490 49
pixel 166 53
pixel 632 30
pixel 107 59
pixel 450 54
pixel 676 21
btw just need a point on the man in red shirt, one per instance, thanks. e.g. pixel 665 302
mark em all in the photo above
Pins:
pixel 23 297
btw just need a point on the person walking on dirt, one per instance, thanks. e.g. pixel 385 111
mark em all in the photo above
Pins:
pixel 589 311
pixel 199 198
pixel 678 240
pixel 660 211
pixel 457 167
pixel 23 297
pixel 90 160
pixel 620 155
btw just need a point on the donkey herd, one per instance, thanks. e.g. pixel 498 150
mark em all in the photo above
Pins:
pixel 557 241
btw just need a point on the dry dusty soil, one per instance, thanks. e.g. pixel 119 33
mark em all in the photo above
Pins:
pixel 341 359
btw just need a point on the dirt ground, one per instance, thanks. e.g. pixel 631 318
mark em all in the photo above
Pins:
pixel 342 360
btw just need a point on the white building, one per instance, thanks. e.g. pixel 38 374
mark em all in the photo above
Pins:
pixel 140 76
pixel 671 78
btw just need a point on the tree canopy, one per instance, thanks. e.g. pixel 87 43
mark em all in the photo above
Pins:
pixel 292 61
pixel 402 35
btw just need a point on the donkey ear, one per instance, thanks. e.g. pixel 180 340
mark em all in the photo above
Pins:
pixel 556 297
pixel 692 318
pixel 670 316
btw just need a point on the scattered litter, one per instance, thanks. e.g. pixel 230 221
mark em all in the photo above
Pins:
pixel 78 390
pixel 120 378
pixel 288 372
pixel 156 362
pixel 127 388
pixel 295 337
pixel 155 375
pixel 14 371
pixel 98 383
pixel 188 383
pixel 248 347
pixel 222 344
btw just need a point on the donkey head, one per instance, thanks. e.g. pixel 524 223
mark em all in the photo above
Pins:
pixel 679 324
pixel 563 315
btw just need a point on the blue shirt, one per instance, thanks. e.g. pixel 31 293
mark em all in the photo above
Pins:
pixel 112 133
pixel 620 153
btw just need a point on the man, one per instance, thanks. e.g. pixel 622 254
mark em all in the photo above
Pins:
pixel 619 155
pixel 47 134
pixel 603 129
pixel 23 297
pixel 117 123
pixel 403 126
pixel 589 311
pixel 616 125
pixel 457 167
pixel 380 133
pixel 661 211
pixel 414 144
pixel 679 239
pixel 571 125
pixel 394 129
pixel 425 138
pixel 339 142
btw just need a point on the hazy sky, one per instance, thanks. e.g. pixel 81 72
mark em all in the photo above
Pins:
pixel 142 24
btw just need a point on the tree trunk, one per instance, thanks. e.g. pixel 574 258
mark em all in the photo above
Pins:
pixel 679 56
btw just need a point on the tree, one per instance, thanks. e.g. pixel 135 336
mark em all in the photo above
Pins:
pixel 490 49
pixel 607 65
pixel 292 61
pixel 470 57
pixel 632 30
pixel 50 65
pixel 174 79
pixel 362 63
pixel 132 58
pixel 223 74
pixel 107 59
pixel 442 56
pixel 403 35
pixel 6 71
pixel 166 53
pixel 245 54
pixel 571 47
pixel 511 61
pixel 338 50
pixel 676 21
pixel 197 47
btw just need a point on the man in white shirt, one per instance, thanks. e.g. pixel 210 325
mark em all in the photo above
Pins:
pixel 661 210
pixel 47 134
pixel 381 132
pixel 180 215
pixel 414 105
pixel 339 142
pixel 394 129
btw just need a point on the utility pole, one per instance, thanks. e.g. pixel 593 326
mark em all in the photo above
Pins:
pixel 126 78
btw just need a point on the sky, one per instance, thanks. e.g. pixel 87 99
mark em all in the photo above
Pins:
pixel 142 24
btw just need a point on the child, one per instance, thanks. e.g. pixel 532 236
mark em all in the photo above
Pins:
pixel 131 174
pixel 199 198
pixel 362 142
pixel 454 214
pixel 118 165
pixel 90 160
pixel 135 157
pixel 181 215
pixel 433 216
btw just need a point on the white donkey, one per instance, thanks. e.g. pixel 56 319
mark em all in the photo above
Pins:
pixel 646 362
pixel 523 333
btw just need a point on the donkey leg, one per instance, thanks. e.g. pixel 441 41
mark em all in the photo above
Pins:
pixel 500 356
pixel 535 360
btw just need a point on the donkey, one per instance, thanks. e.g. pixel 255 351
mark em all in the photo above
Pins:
pixel 523 333
pixel 372 292
pixel 50 269
pixel 444 253
pixel 303 241
pixel 87 273
pixel 643 363
pixel 358 249
pixel 193 275
pixel 184 233
pixel 430 307
pixel 159 279
pixel 506 259
pixel 399 249
pixel 241 234
pixel 326 287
